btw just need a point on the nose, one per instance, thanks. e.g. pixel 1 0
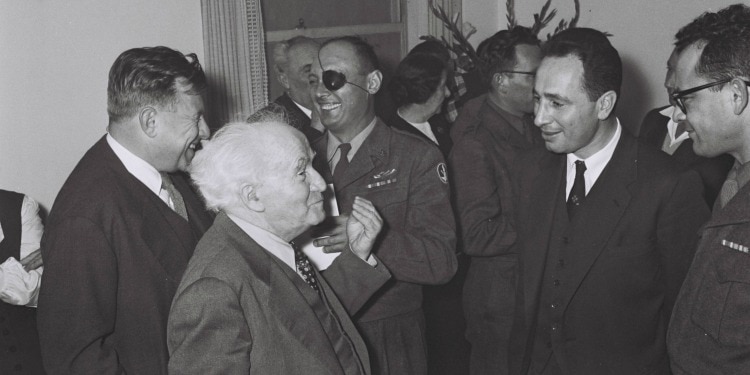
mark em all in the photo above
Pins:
pixel 678 115
pixel 540 114
pixel 317 183
pixel 318 89
pixel 203 131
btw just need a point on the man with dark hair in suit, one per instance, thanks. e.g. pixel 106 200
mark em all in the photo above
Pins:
pixel 406 179
pixel 607 226
pixel 490 131
pixel 659 130
pixel 708 333
pixel 250 301
pixel 292 60
pixel 125 223
pixel 20 279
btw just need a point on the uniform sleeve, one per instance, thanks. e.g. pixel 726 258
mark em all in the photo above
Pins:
pixel 677 231
pixel 485 229
pixel 421 246
pixel 77 301
pixel 207 333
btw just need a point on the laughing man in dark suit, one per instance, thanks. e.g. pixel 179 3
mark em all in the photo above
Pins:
pixel 124 225
pixel 608 226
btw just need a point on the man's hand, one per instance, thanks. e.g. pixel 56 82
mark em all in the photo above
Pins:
pixel 335 240
pixel 32 261
pixel 363 227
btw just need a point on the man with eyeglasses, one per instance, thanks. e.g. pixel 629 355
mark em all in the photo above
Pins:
pixel 488 134
pixel 710 327
pixel 659 130
pixel 405 178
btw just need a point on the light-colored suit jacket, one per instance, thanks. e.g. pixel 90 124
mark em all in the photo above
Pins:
pixel 237 311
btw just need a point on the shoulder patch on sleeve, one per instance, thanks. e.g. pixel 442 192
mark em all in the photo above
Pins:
pixel 442 172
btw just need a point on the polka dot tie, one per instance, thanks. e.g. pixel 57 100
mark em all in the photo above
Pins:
pixel 305 268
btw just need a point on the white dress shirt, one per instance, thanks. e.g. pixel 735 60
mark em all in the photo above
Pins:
pixel 333 152
pixel 672 128
pixel 17 286
pixel 594 164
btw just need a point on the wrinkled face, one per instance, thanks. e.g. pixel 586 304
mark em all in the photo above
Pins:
pixel 435 102
pixel 562 110
pixel 519 94
pixel 709 119
pixel 180 128
pixel 349 105
pixel 291 191
pixel 300 61
pixel 669 80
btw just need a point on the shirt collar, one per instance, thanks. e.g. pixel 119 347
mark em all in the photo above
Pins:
pixel 514 121
pixel 302 108
pixel 138 167
pixel 356 142
pixel 595 163
pixel 672 127
pixel 267 240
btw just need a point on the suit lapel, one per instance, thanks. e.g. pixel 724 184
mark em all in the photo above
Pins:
pixel 543 192
pixel 597 219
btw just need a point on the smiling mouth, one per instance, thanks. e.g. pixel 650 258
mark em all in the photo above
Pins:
pixel 329 106
pixel 196 146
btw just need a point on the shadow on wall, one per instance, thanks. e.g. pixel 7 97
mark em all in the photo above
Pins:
pixel 634 95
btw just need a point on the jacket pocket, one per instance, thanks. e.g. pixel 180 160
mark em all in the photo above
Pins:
pixel 723 303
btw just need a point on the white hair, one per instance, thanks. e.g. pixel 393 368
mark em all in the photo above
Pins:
pixel 239 153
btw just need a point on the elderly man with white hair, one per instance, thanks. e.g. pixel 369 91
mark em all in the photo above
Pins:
pixel 249 301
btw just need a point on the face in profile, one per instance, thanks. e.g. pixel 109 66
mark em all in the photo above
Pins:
pixel 347 106
pixel 520 86
pixel 180 129
pixel 709 119
pixel 292 191
pixel 300 61
pixel 562 109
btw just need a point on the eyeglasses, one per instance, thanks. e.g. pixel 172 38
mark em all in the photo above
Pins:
pixel 519 72
pixel 679 95
pixel 334 80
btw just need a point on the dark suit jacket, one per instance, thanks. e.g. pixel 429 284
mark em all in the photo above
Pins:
pixel 621 260
pixel 114 254
pixel 709 333
pixel 713 171
pixel 297 118
pixel 439 125
pixel 480 163
pixel 265 325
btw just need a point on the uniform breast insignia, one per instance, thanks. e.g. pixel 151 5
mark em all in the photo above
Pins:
pixel 381 183
pixel 442 172
pixel 384 174
pixel 735 246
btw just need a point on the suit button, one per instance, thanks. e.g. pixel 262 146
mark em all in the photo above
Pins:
pixel 12 349
pixel 556 283
pixel 555 327
pixel 553 305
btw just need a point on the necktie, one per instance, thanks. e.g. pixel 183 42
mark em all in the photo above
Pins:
pixel 304 268
pixel 172 196
pixel 578 192
pixel 730 187
pixel 342 165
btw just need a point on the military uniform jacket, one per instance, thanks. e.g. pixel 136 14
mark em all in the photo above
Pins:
pixel 710 328
pixel 114 254
pixel 405 177
pixel 615 269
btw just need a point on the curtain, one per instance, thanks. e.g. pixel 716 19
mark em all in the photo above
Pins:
pixel 435 26
pixel 235 59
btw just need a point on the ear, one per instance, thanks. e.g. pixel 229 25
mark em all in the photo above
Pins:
pixel 374 80
pixel 739 95
pixel 147 119
pixel 283 79
pixel 249 196
pixel 499 81
pixel 606 104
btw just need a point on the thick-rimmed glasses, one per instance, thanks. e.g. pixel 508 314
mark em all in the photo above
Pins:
pixel 679 96
pixel 519 72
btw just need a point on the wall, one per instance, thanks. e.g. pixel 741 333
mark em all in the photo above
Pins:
pixel 643 32
pixel 53 77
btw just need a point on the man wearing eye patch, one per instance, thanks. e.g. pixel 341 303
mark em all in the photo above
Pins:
pixel 710 328
pixel 405 177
